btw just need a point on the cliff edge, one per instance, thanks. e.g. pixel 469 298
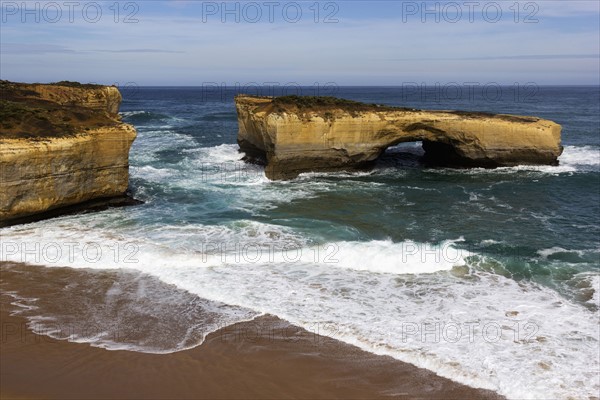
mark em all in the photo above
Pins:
pixel 63 147
pixel 293 134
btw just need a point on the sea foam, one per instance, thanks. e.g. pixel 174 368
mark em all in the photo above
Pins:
pixel 447 315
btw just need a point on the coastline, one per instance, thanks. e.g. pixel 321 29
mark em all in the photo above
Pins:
pixel 263 358
pixel 93 205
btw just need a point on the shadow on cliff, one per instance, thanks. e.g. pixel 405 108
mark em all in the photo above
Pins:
pixel 403 155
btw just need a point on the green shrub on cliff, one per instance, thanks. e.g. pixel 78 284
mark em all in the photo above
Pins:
pixel 76 84
pixel 314 101
pixel 328 102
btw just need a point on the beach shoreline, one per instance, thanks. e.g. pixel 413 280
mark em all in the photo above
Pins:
pixel 263 358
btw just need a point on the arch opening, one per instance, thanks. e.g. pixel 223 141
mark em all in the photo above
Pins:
pixel 430 152
pixel 403 155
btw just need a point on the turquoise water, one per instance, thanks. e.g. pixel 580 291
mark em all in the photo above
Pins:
pixel 477 274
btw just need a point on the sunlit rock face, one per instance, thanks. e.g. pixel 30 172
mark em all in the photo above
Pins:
pixel 301 134
pixel 60 145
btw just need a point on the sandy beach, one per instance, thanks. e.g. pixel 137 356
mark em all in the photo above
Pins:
pixel 263 358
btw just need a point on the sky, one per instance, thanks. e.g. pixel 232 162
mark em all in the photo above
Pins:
pixel 193 43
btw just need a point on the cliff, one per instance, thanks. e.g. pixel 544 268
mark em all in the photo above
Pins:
pixel 294 134
pixel 63 148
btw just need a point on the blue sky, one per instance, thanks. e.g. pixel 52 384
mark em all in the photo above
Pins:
pixel 266 42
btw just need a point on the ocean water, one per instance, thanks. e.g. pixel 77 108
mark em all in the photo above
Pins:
pixel 488 277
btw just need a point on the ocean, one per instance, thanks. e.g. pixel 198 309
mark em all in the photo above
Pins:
pixel 489 277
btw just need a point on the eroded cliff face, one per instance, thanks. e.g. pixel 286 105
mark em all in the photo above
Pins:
pixel 295 135
pixel 60 146
pixel 95 97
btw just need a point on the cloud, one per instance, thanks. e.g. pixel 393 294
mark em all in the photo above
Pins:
pixel 30 48
pixel 562 9
pixel 44 48
pixel 158 51
pixel 513 57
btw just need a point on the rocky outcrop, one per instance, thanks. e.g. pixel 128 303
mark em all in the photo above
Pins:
pixel 299 134
pixel 61 146
pixel 95 97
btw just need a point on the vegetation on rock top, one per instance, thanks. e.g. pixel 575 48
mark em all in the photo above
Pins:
pixel 77 85
pixel 328 102
pixel 25 114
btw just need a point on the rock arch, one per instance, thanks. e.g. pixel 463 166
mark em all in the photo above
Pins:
pixel 295 134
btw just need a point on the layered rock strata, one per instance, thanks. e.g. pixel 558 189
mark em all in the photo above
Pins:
pixel 63 147
pixel 295 134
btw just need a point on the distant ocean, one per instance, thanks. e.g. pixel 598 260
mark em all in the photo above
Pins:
pixel 488 277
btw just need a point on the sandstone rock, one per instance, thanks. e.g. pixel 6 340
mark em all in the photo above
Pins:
pixel 299 134
pixel 96 97
pixel 60 146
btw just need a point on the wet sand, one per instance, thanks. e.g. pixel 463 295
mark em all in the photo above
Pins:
pixel 265 358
